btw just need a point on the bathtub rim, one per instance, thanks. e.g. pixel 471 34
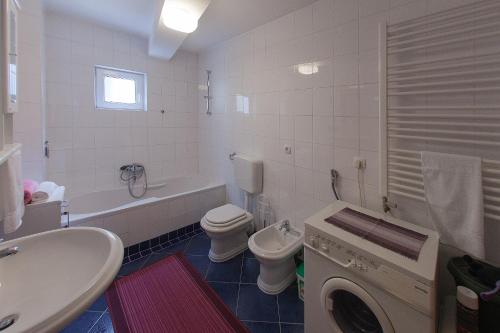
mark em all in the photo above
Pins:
pixel 86 217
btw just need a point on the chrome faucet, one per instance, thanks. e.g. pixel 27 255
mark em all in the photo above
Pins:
pixel 9 251
pixel 285 225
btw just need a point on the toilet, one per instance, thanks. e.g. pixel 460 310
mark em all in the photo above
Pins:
pixel 228 226
pixel 275 247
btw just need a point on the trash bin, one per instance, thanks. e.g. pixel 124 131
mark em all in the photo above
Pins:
pixel 489 311
pixel 300 281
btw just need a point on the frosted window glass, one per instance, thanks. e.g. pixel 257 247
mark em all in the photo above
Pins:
pixel 117 90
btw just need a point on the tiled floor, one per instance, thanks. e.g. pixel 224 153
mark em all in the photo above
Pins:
pixel 235 282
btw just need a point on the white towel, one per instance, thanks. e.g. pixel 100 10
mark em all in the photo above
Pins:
pixel 57 194
pixel 454 195
pixel 43 192
pixel 11 193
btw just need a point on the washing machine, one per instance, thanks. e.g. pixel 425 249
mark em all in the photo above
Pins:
pixel 355 285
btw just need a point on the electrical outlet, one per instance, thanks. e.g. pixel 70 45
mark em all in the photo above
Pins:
pixel 359 163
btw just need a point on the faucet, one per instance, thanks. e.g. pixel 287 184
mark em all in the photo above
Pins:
pixel 9 251
pixel 285 225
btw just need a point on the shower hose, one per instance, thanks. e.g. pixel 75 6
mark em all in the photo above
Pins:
pixel 130 174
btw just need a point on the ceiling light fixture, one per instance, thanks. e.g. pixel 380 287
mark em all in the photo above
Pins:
pixel 180 19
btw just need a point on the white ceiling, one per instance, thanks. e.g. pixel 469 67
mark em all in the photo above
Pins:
pixel 222 20
pixel 134 16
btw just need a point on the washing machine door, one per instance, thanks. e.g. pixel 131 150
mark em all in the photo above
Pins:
pixel 350 309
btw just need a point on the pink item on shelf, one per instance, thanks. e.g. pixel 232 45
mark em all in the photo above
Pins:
pixel 30 187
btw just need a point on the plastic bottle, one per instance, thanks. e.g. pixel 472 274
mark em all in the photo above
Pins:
pixel 467 311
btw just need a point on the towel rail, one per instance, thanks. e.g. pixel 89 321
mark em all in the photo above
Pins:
pixel 445 107
pixel 425 21
pixel 442 83
pixel 489 71
pixel 443 26
pixel 447 59
pixel 444 34
pixel 445 115
pixel 443 123
pixel 445 42
pixel 434 97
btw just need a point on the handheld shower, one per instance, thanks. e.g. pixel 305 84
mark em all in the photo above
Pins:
pixel 130 174
pixel 334 177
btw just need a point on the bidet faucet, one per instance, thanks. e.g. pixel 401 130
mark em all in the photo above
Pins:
pixel 285 225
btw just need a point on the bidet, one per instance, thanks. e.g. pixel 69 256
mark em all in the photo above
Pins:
pixel 275 248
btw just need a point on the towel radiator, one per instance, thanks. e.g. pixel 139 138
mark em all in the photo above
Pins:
pixel 439 89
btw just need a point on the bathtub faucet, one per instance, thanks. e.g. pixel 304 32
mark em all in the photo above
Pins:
pixel 285 225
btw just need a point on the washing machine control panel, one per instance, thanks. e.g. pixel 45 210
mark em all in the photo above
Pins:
pixel 373 270
pixel 340 252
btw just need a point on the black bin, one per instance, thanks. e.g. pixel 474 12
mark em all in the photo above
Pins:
pixel 489 312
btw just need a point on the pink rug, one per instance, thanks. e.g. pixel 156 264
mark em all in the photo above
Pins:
pixel 169 296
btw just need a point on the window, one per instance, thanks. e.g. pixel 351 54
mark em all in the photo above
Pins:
pixel 119 89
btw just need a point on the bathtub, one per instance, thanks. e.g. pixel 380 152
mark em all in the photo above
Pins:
pixel 170 205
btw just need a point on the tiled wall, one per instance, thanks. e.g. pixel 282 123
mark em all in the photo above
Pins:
pixel 87 145
pixel 328 117
pixel 29 120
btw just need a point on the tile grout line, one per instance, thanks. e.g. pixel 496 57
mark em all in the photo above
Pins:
pixel 97 320
pixel 279 317
pixel 239 285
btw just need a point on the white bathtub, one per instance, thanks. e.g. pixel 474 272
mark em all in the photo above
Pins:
pixel 176 203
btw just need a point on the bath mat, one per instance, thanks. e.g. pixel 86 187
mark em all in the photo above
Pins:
pixel 391 236
pixel 168 296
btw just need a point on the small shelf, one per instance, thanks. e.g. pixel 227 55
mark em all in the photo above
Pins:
pixel 8 150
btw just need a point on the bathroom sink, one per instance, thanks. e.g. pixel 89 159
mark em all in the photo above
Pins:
pixel 55 276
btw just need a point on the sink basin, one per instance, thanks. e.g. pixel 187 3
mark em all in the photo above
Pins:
pixel 55 276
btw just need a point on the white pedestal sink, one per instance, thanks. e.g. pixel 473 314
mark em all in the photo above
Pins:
pixel 55 276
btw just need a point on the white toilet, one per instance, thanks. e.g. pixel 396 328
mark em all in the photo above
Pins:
pixel 275 247
pixel 228 226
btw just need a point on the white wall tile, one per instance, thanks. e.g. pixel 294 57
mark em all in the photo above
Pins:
pixel 107 139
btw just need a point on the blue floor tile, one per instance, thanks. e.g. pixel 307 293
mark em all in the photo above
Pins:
pixel 259 327
pixel 228 271
pixel 163 253
pixel 157 256
pixel 199 245
pixel 234 281
pixel 133 266
pixel 104 325
pixel 179 246
pixel 250 271
pixel 83 323
pixel 228 292
pixel 201 263
pixel 248 254
pixel 292 328
pixel 254 305
pixel 291 307
pixel 99 305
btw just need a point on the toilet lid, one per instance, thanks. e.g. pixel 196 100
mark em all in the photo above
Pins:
pixel 225 214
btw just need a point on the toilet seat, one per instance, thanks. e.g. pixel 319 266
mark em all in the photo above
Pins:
pixel 225 216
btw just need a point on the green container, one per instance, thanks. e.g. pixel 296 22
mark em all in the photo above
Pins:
pixel 300 280
pixel 489 312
